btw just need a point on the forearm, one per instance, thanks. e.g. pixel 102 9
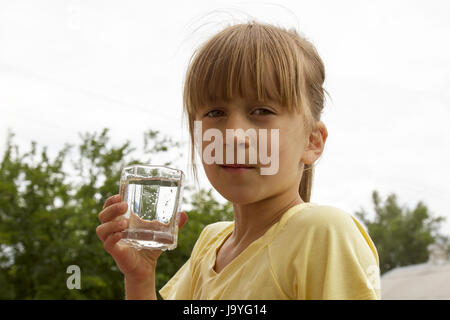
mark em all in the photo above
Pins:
pixel 140 290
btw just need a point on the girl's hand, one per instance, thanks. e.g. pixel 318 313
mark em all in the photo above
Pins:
pixel 136 265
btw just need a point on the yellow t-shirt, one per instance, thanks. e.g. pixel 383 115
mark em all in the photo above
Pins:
pixel 312 252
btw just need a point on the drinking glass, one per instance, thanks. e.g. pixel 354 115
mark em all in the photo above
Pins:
pixel 153 194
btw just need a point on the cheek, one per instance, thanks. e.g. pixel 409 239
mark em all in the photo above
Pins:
pixel 287 160
pixel 207 167
pixel 212 175
pixel 290 149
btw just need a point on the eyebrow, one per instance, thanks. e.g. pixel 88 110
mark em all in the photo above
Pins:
pixel 266 101
pixel 250 101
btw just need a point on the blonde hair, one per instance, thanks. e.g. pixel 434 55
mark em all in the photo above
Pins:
pixel 282 65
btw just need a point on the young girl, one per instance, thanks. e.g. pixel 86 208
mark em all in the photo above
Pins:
pixel 280 245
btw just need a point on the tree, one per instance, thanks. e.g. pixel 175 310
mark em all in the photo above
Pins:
pixel 401 235
pixel 49 214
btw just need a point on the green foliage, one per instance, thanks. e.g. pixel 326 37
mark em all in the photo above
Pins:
pixel 401 235
pixel 49 214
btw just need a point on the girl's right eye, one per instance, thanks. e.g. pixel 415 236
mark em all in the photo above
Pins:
pixel 209 114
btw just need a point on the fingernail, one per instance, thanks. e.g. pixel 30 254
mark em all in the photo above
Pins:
pixel 123 205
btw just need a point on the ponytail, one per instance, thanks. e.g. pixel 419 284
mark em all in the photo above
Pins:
pixel 305 187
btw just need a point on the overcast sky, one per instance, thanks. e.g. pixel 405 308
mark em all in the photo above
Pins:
pixel 80 66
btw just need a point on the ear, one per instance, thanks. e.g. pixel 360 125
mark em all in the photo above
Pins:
pixel 316 143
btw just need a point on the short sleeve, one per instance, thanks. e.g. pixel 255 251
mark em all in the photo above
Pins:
pixel 179 286
pixel 342 261
pixel 324 253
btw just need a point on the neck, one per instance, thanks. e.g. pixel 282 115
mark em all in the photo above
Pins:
pixel 252 220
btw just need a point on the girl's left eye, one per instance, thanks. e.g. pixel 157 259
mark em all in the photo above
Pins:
pixel 265 111
pixel 211 113
pixel 262 112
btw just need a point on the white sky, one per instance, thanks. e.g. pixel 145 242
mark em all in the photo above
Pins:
pixel 79 66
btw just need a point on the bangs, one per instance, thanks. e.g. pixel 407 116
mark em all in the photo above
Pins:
pixel 251 61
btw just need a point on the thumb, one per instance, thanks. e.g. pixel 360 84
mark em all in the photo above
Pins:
pixel 183 219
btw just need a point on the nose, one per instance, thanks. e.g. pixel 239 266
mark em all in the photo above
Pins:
pixel 241 140
pixel 237 126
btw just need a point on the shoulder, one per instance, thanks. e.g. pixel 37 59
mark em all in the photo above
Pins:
pixel 210 234
pixel 216 226
pixel 323 252
pixel 214 229
pixel 322 227
pixel 320 218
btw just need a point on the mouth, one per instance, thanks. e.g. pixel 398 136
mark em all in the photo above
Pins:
pixel 237 168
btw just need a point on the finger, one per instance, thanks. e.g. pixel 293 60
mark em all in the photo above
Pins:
pixel 113 211
pixel 113 199
pixel 105 229
pixel 111 241
pixel 183 219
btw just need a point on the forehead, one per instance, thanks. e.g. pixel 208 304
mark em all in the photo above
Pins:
pixel 244 102
pixel 246 87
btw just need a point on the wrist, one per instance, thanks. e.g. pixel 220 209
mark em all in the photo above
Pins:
pixel 140 289
pixel 142 275
pixel 139 282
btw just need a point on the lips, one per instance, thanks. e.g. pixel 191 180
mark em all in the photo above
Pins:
pixel 236 166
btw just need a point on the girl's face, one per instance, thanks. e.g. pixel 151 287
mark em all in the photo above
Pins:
pixel 249 185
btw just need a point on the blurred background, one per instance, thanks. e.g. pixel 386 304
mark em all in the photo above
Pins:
pixel 88 86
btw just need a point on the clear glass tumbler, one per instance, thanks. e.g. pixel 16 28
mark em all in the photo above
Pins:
pixel 154 195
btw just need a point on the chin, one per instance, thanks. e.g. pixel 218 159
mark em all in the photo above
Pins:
pixel 231 188
pixel 237 196
pixel 240 200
